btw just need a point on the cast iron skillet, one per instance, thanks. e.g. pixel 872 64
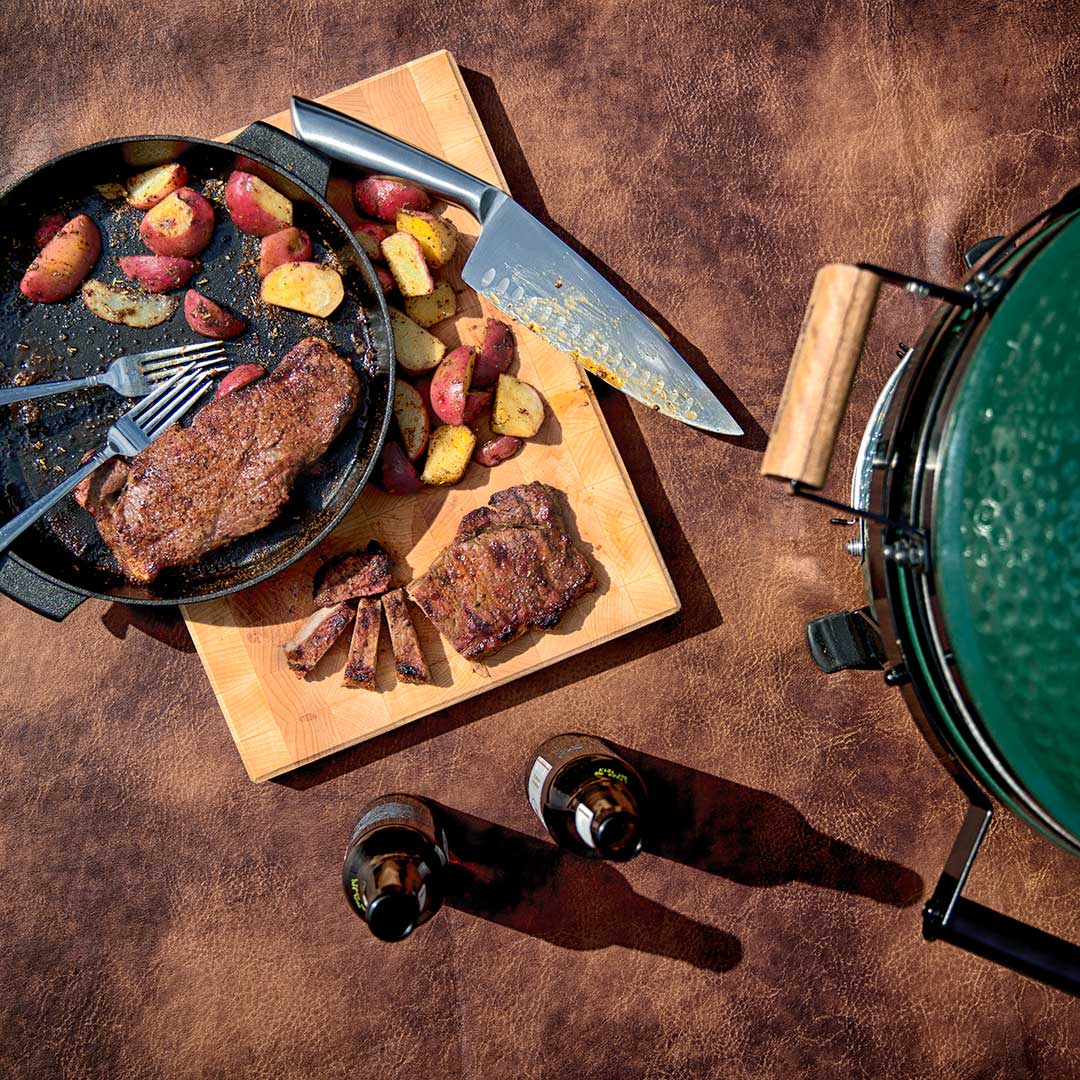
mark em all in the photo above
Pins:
pixel 56 565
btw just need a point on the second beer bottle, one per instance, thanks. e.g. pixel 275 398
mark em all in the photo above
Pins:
pixel 589 799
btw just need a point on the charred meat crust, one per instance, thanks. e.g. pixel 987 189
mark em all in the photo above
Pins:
pixel 313 640
pixel 364 648
pixel 408 657
pixel 352 575
pixel 232 470
pixel 511 566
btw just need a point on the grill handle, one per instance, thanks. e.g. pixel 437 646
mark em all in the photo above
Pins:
pixel 822 370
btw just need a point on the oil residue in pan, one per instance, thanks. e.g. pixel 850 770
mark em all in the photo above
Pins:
pixel 64 340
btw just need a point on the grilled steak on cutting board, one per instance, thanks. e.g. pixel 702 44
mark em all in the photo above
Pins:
pixel 346 577
pixel 510 567
pixel 231 472
pixel 409 660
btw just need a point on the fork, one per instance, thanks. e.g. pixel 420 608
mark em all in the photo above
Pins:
pixel 131 376
pixel 134 431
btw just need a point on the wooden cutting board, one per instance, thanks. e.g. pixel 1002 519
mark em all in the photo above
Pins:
pixel 279 721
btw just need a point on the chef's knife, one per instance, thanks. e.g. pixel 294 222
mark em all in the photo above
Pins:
pixel 525 270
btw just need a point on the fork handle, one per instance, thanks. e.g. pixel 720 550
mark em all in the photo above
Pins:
pixel 19 524
pixel 9 395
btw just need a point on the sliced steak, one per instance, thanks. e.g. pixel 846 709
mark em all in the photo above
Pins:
pixel 364 648
pixel 408 658
pixel 313 640
pixel 232 470
pixel 511 566
pixel 346 577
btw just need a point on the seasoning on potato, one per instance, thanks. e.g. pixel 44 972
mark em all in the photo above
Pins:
pixel 309 287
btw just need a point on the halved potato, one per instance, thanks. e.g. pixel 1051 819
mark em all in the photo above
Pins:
pixel 497 450
pixel 126 306
pixel 255 207
pixel 62 265
pixel 416 349
pixel 433 308
pixel 406 262
pixel 436 236
pixel 147 189
pixel 449 453
pixel 519 409
pixel 496 353
pixel 181 224
pixel 397 472
pixel 304 286
pixel 383 196
pixel 450 385
pixel 412 419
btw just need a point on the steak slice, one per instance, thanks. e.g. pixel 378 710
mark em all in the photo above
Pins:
pixel 408 657
pixel 511 566
pixel 313 640
pixel 231 471
pixel 346 577
pixel 364 648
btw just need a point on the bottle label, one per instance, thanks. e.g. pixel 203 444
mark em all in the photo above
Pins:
pixel 541 768
pixel 583 819
pixel 391 810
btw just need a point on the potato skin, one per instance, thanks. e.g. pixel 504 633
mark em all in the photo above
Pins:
pixel 181 224
pixel 385 279
pixel 209 319
pixel 397 472
pixel 496 353
pixel 158 273
pixel 286 245
pixel 255 206
pixel 497 450
pixel 47 228
pixel 63 264
pixel 238 377
pixel 383 196
pixel 450 385
pixel 476 402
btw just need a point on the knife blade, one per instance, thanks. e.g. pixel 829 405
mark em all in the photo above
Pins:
pixel 524 269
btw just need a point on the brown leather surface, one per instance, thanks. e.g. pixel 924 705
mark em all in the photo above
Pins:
pixel 163 917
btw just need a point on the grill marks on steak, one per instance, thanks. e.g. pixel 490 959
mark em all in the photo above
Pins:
pixel 364 647
pixel 409 660
pixel 511 566
pixel 231 472
pixel 346 577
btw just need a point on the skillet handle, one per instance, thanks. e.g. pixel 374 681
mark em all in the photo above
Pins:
pixel 286 153
pixel 35 592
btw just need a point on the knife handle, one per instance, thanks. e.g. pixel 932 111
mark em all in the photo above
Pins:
pixel 822 370
pixel 341 137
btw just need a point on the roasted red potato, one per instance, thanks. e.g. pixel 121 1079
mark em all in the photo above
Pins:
pixel 412 418
pixel 406 261
pixel 339 194
pixel 415 348
pixel 436 236
pixel 434 308
pixel 128 307
pixel 255 207
pixel 63 264
pixel 385 279
pixel 477 403
pixel 383 196
pixel 147 189
pixel 309 287
pixel 158 273
pixel 519 409
pixel 497 450
pixel 238 377
pixel 449 452
pixel 496 353
pixel 47 228
pixel 285 246
pixel 144 153
pixel 181 224
pixel 398 473
pixel 369 235
pixel 450 385
pixel 210 319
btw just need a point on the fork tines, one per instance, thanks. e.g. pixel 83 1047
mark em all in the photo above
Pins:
pixel 157 359
pixel 169 401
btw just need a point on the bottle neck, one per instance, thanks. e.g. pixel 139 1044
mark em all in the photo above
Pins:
pixel 396 896
pixel 607 819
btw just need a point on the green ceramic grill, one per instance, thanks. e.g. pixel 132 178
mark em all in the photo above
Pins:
pixel 966 501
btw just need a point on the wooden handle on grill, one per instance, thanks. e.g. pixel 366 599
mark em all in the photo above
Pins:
pixel 822 370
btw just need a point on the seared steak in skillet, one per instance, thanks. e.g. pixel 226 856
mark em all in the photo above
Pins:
pixel 511 566
pixel 232 470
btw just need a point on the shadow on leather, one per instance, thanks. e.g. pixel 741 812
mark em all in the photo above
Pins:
pixel 536 888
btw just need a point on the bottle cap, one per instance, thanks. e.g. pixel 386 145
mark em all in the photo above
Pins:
pixel 614 825
pixel 392 915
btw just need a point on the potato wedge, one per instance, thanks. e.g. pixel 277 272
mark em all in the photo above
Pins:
pixel 181 224
pixel 497 450
pixel 495 354
pixel 519 409
pixel 304 286
pixel 63 264
pixel 239 377
pixel 406 262
pixel 397 472
pixel 284 246
pixel 158 273
pixel 116 304
pixel 383 196
pixel 255 207
pixel 476 404
pixel 210 319
pixel 147 189
pixel 416 349
pixel 449 453
pixel 450 385
pixel 436 236
pixel 412 418
pixel 142 153
pixel 370 234
pixel 434 308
